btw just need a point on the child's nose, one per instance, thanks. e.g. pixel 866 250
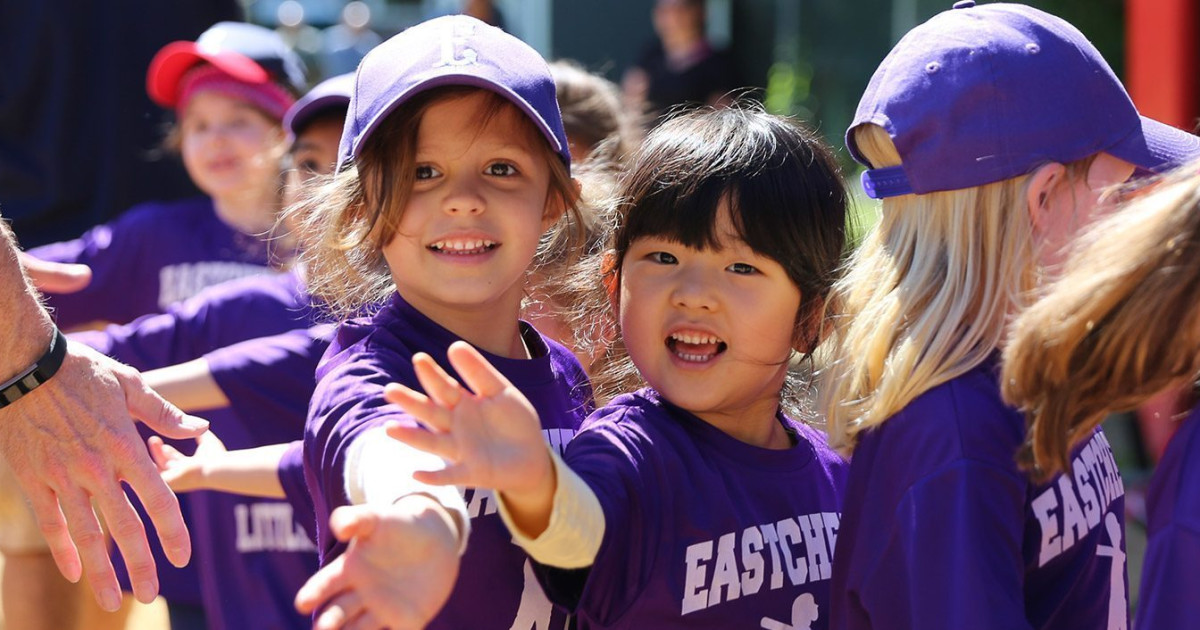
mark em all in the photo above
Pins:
pixel 694 290
pixel 464 198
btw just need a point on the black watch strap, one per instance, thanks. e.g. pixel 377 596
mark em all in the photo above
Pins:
pixel 14 388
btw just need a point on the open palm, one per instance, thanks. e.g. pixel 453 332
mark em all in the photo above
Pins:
pixel 489 434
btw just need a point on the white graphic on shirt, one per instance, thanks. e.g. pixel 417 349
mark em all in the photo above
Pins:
pixel 1116 599
pixel 536 611
pixel 804 614
pixel 182 281
pixel 1075 503
pixel 741 563
pixel 454 50
pixel 269 526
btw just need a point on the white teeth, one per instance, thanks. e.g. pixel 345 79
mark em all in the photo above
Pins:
pixel 462 245
pixel 694 358
pixel 695 338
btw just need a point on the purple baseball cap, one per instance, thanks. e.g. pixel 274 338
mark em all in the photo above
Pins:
pixel 329 94
pixel 979 94
pixel 450 50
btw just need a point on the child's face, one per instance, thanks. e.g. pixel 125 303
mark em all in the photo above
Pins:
pixel 1077 203
pixel 711 330
pixel 229 148
pixel 314 153
pixel 475 214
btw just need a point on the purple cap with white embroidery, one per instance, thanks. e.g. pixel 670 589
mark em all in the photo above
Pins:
pixel 452 50
pixel 980 94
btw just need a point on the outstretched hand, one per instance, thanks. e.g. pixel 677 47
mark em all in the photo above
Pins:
pixel 398 571
pixel 55 277
pixel 70 442
pixel 489 435
pixel 184 473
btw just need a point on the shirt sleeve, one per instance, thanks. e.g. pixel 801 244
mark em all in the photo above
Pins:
pixel 112 256
pixel 272 376
pixel 615 459
pixel 295 490
pixel 157 340
pixel 952 557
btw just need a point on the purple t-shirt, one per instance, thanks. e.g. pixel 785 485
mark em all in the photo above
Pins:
pixel 271 376
pixel 702 530
pixel 942 530
pixel 216 317
pixel 496 587
pixel 150 257
pixel 1171 571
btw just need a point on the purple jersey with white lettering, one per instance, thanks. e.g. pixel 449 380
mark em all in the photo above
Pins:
pixel 216 317
pixel 496 587
pixel 255 553
pixel 702 530
pixel 1171 572
pixel 150 257
pixel 941 529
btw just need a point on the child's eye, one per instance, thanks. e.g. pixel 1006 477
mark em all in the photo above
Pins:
pixel 743 269
pixel 426 171
pixel 501 169
pixel 663 258
pixel 310 167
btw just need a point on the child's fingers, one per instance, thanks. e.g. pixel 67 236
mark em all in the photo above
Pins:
pixel 451 475
pixel 160 453
pixel 209 442
pixel 477 373
pixel 418 405
pixel 439 386
pixel 340 611
pixel 352 521
pixel 322 586
pixel 440 444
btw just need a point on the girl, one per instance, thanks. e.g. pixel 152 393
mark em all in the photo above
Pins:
pixel 990 133
pixel 453 164
pixel 695 502
pixel 1119 326
pixel 229 89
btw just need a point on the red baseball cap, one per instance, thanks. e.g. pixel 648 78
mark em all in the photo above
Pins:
pixel 246 52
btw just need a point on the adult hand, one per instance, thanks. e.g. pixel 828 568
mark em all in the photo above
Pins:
pixel 53 277
pixel 70 443
pixel 397 573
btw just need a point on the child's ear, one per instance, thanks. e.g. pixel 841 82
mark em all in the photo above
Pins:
pixel 1042 183
pixel 814 328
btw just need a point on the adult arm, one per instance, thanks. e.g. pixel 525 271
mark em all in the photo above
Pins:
pixel 70 442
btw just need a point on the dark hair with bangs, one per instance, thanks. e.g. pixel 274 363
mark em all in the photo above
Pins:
pixel 784 189
pixel 787 202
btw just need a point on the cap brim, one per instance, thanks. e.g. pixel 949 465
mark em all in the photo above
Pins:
pixel 452 79
pixel 303 112
pixel 1157 146
pixel 176 58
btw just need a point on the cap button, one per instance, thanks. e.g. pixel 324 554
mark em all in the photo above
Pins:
pixel 963 4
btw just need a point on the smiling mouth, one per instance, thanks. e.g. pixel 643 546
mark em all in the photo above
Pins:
pixel 695 347
pixel 463 247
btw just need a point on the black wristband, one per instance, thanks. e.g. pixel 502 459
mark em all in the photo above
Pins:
pixel 14 388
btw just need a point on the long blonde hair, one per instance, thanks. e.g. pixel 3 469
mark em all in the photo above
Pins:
pixel 926 296
pixel 1121 324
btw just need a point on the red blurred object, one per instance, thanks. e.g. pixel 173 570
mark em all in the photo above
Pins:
pixel 1162 61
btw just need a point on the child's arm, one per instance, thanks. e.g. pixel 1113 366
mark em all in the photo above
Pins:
pixel 492 438
pixel 189 386
pixel 252 472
